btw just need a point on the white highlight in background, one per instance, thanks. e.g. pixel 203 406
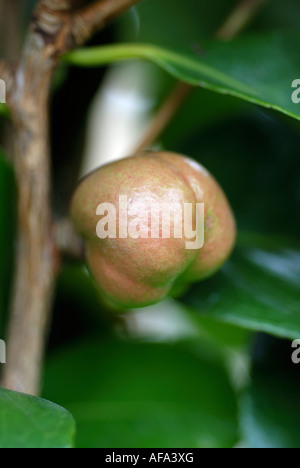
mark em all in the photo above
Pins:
pixel 120 114
pixel 2 92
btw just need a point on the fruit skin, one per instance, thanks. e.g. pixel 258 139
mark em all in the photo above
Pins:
pixel 139 272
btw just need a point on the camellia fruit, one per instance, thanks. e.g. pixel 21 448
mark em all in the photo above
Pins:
pixel 152 222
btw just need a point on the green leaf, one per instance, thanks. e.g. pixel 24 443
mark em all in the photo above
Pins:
pixel 173 23
pixel 258 289
pixel 131 394
pixel 30 422
pixel 234 68
pixel 270 414
pixel 270 406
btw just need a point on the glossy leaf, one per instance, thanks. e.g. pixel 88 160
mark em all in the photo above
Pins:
pixel 130 394
pixel 175 23
pixel 29 422
pixel 78 302
pixel 270 415
pixel 255 158
pixel 233 68
pixel 270 406
pixel 258 289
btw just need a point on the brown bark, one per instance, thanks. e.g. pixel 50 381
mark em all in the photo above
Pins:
pixel 55 28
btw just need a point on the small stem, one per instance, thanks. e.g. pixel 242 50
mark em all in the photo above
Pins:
pixel 239 19
pixel 165 114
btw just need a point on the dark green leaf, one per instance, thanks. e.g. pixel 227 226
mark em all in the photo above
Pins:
pixel 29 422
pixel 255 158
pixel 128 394
pixel 192 20
pixel 270 407
pixel 258 289
pixel 270 415
pixel 234 68
pixel 174 23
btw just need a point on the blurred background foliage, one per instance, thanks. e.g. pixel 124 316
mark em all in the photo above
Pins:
pixel 213 368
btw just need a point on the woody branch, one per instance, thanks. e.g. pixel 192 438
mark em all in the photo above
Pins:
pixel 56 27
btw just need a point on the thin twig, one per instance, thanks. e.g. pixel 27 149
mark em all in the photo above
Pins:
pixel 93 17
pixel 7 75
pixel 11 28
pixel 164 115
